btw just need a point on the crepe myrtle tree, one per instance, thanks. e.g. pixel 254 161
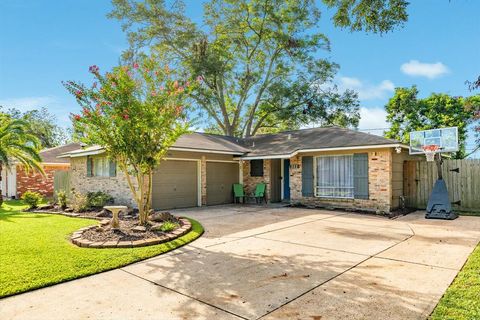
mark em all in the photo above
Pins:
pixel 135 112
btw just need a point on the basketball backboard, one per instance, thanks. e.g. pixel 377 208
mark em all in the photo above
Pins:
pixel 445 138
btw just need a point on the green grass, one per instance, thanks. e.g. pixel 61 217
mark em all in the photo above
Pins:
pixel 35 250
pixel 462 298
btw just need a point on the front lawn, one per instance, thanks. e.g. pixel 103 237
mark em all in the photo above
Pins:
pixel 462 298
pixel 35 250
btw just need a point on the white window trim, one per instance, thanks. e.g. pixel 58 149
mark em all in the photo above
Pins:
pixel 315 193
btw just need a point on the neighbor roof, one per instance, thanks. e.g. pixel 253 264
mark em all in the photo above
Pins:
pixel 288 143
pixel 50 155
pixel 283 144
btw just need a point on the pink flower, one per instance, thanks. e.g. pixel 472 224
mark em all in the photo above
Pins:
pixel 162 88
pixel 78 93
pixel 77 117
pixel 125 116
pixel 93 69
pixel 199 79
pixel 135 65
pixel 153 93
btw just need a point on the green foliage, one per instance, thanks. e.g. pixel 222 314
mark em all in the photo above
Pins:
pixel 136 113
pixel 369 15
pixel 98 199
pixel 32 199
pixel 259 60
pixel 42 124
pixel 406 112
pixel 168 226
pixel 461 300
pixel 48 257
pixel 79 202
pixel 62 199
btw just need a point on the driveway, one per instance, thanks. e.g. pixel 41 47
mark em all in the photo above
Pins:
pixel 274 263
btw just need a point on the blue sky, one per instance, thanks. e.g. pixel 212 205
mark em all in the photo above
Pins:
pixel 45 42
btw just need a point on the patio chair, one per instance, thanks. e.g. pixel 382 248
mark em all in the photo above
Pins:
pixel 238 193
pixel 259 193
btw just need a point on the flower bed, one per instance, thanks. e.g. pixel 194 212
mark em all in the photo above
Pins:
pixel 125 236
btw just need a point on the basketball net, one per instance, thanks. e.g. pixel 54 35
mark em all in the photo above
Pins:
pixel 430 151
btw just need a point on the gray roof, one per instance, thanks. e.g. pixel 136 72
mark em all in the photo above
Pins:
pixel 288 142
pixel 210 142
pixel 267 145
pixel 50 155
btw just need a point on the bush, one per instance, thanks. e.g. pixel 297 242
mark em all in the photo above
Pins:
pixel 99 199
pixel 79 202
pixel 32 198
pixel 168 226
pixel 62 199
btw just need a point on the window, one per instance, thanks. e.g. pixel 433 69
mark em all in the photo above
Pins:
pixel 334 176
pixel 100 167
pixel 256 168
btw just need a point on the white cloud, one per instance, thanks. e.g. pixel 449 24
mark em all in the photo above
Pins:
pixel 373 118
pixel 28 103
pixel 366 91
pixel 416 68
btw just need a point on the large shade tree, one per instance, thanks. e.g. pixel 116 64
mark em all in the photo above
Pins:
pixel 263 62
pixel 18 145
pixel 136 114
pixel 42 124
pixel 406 112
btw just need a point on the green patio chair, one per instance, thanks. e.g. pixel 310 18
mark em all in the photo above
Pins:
pixel 260 193
pixel 238 193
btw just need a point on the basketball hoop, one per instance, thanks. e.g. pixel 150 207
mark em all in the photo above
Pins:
pixel 430 151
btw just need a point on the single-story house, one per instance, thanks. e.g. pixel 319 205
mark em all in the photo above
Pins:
pixel 15 180
pixel 327 166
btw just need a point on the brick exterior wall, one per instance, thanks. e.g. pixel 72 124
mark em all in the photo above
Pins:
pixel 116 186
pixel 250 182
pixel 203 167
pixel 380 185
pixel 34 181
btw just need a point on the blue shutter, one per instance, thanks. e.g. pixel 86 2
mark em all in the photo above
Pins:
pixel 89 166
pixel 360 175
pixel 307 176
pixel 112 168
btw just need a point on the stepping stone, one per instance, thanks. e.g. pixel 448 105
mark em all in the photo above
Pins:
pixel 139 229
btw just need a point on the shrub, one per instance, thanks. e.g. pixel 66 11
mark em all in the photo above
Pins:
pixel 32 199
pixel 79 202
pixel 62 199
pixel 168 226
pixel 99 199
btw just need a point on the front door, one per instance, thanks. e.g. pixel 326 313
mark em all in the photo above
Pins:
pixel 275 181
pixel 286 179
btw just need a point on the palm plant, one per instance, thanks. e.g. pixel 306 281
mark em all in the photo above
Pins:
pixel 17 144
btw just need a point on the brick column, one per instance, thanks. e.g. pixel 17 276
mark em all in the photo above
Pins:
pixel 203 169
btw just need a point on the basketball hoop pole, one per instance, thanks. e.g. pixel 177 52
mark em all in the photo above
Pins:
pixel 438 162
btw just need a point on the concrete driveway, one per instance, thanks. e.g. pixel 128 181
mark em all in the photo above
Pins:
pixel 274 263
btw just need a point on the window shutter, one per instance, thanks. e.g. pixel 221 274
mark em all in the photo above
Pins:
pixel 112 168
pixel 307 176
pixel 360 175
pixel 89 166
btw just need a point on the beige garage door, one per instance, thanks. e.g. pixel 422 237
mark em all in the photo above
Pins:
pixel 175 185
pixel 220 178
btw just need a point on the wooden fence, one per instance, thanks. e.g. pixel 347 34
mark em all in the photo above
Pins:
pixel 61 181
pixel 461 176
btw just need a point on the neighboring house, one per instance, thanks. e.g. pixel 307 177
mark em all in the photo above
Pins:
pixel 327 166
pixel 15 180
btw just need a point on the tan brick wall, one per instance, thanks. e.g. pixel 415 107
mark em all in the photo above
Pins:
pixel 117 186
pixel 380 186
pixel 250 182
pixel 34 181
pixel 203 169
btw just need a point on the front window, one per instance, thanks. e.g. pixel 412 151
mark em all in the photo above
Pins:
pixel 334 176
pixel 100 167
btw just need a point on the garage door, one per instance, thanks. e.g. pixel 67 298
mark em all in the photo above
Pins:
pixel 175 185
pixel 220 178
